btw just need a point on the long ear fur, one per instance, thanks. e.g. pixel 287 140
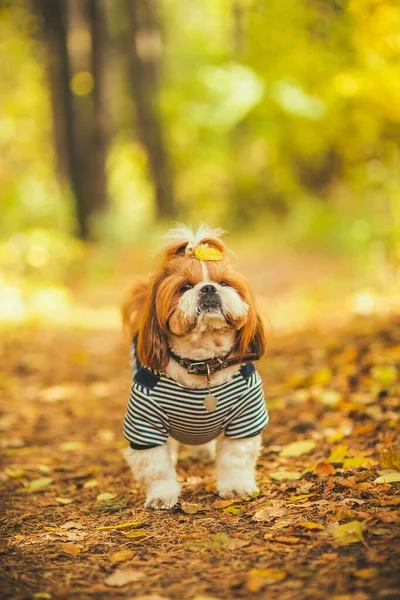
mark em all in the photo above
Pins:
pixel 251 337
pixel 132 308
pixel 152 349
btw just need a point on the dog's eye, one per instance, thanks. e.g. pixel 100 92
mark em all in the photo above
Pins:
pixel 224 283
pixel 185 288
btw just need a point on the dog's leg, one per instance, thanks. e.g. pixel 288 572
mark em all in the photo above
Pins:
pixel 173 447
pixel 236 461
pixel 153 469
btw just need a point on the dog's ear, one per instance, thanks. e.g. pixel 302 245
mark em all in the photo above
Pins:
pixel 152 349
pixel 251 337
pixel 132 308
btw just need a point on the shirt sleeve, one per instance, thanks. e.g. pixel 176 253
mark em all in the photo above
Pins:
pixel 253 416
pixel 146 424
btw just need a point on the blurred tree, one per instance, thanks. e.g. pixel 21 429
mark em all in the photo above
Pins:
pixel 143 51
pixel 73 34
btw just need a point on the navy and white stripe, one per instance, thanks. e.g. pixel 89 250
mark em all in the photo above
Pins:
pixel 159 406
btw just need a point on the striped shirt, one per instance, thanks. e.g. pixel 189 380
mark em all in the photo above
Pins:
pixel 159 406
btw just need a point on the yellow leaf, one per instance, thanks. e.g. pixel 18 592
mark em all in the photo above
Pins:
pixel 207 253
pixel 299 497
pixel 91 483
pixel 224 503
pixel 105 496
pixel 71 446
pixel 355 462
pixel 349 533
pixel 73 550
pixel 135 534
pixel 120 526
pixel 390 459
pixel 64 500
pixel 121 556
pixel 38 484
pixel 297 448
pixel 233 510
pixel 384 374
pixel 368 573
pixel 258 578
pixel 14 473
pixel 42 596
pixel 280 475
pixel 310 525
pixel 388 477
pixel 337 455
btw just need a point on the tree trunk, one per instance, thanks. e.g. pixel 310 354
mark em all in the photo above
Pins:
pixel 99 38
pixel 54 30
pixel 143 49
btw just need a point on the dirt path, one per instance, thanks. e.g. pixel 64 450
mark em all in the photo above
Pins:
pixel 322 527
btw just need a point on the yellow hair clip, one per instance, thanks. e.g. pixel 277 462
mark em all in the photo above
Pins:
pixel 208 253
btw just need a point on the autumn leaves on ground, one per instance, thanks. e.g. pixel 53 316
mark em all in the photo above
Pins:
pixel 325 524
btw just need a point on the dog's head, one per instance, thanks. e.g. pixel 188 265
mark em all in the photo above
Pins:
pixel 195 289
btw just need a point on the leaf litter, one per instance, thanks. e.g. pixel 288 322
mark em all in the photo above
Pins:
pixel 325 524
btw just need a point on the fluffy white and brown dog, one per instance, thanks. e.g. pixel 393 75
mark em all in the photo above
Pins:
pixel 195 330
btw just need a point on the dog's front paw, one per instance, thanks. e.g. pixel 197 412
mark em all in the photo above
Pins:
pixel 162 495
pixel 240 489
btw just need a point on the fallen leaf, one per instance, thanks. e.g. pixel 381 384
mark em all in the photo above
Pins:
pixel 330 397
pixel 136 534
pixel 258 578
pixel 192 508
pixel 299 497
pixel 39 483
pixel 121 556
pixel 281 475
pixel 120 526
pixel 233 510
pixel 224 503
pixel 14 473
pixel 3 545
pixel 390 459
pixel 105 496
pixel 337 455
pixel 41 596
pixel 355 462
pixel 91 483
pixel 368 573
pixel 72 550
pixel 72 525
pixel 384 374
pixel 310 525
pixel 388 477
pixel 324 469
pixel 123 576
pixel 349 533
pixel 71 446
pixel 288 539
pixel 269 512
pixel 64 500
pixel 298 448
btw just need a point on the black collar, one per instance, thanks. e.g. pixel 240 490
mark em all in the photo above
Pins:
pixel 211 365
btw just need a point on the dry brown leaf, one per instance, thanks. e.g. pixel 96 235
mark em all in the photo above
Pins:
pixel 269 512
pixel 121 556
pixel 309 525
pixel 123 576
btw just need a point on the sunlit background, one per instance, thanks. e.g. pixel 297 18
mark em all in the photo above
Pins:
pixel 278 120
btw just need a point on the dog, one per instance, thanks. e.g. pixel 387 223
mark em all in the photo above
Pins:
pixel 195 330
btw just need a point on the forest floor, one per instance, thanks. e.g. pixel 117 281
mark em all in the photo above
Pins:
pixel 324 526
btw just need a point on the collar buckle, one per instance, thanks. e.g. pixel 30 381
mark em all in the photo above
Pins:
pixel 193 367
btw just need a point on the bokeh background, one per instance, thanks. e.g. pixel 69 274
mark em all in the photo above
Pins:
pixel 278 120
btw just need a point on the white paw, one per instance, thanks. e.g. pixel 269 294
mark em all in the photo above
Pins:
pixel 162 495
pixel 240 489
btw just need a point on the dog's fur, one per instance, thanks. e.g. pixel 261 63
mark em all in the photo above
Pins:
pixel 165 311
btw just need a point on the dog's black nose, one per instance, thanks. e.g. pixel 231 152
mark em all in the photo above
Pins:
pixel 208 289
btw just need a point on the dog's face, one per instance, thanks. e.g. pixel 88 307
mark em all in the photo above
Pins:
pixel 188 295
